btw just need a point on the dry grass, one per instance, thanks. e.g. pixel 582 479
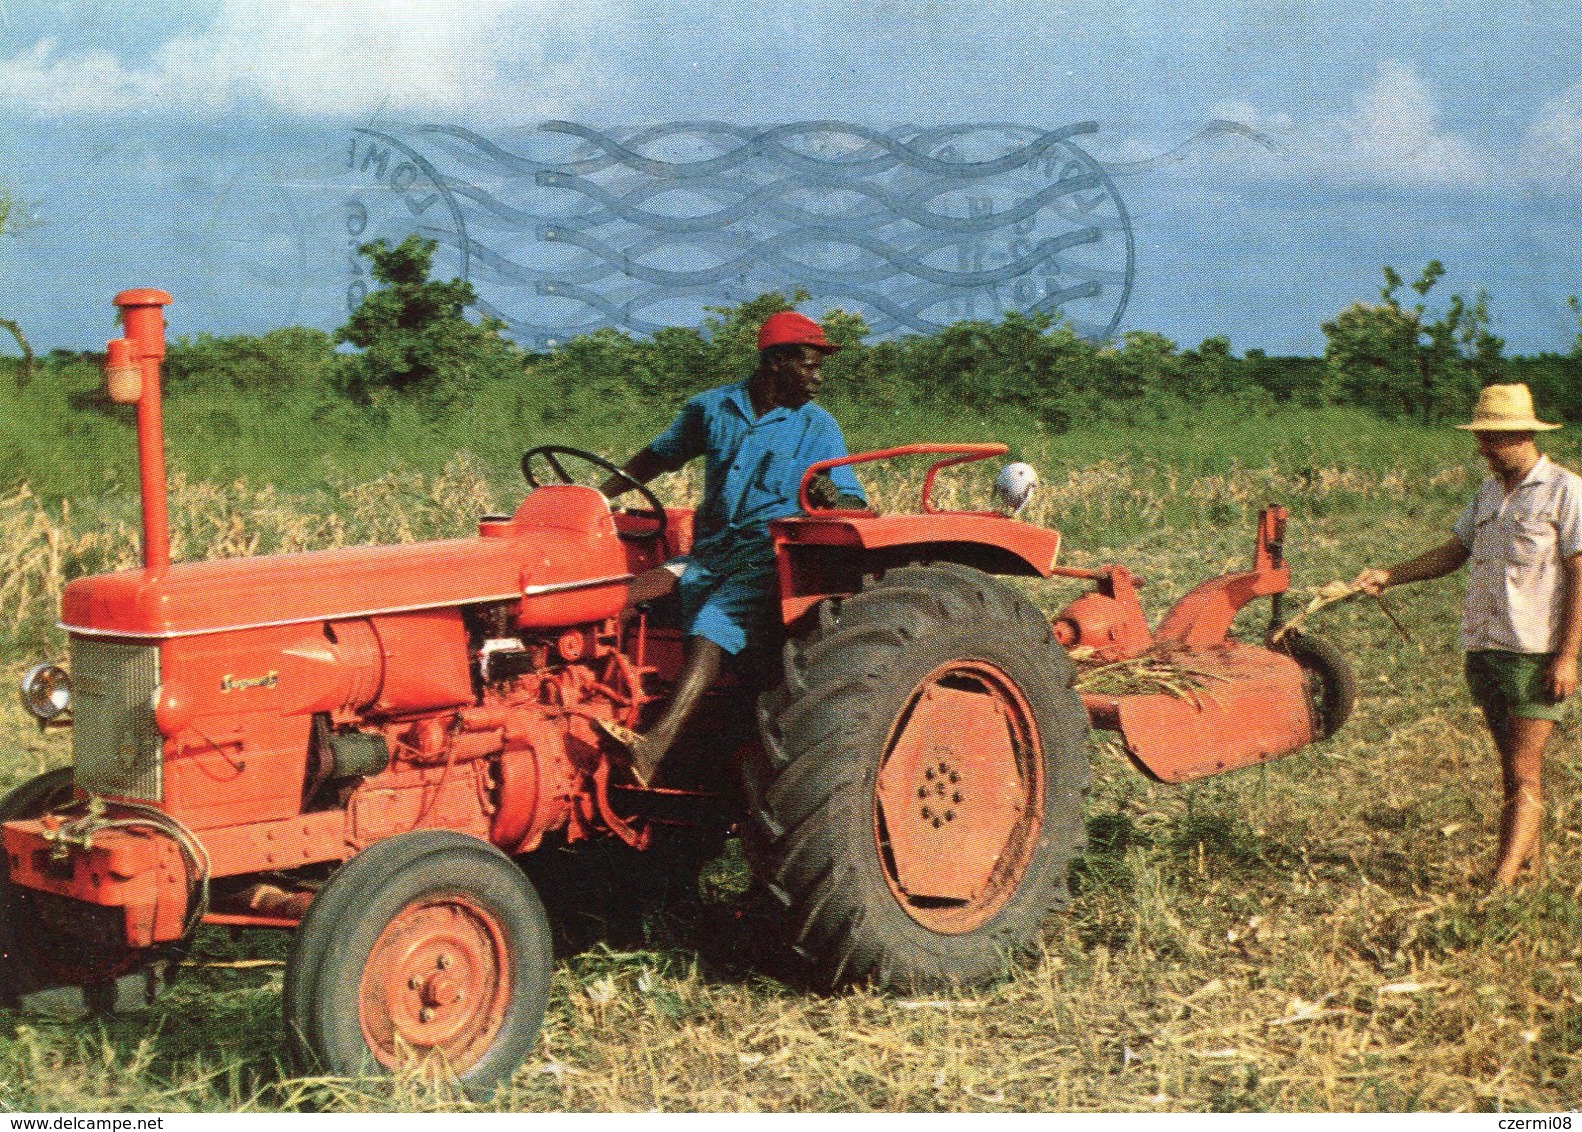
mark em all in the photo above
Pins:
pixel 1306 935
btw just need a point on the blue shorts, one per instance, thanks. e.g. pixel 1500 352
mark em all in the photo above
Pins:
pixel 729 602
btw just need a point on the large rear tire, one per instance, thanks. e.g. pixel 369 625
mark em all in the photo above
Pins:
pixel 918 799
pixel 428 950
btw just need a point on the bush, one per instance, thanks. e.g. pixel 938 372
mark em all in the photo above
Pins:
pixel 293 356
pixel 1396 362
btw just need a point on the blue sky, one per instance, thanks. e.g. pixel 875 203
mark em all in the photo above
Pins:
pixel 191 147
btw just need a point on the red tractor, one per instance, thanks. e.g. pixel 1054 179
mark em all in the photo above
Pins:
pixel 354 744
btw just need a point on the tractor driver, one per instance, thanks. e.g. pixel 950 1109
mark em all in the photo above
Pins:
pixel 758 437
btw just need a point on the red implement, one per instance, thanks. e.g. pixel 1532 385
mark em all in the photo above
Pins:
pixel 1251 705
pixel 1231 704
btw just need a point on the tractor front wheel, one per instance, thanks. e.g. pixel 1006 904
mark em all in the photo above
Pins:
pixel 918 799
pixel 429 950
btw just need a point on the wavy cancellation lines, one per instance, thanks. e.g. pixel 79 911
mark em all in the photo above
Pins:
pixel 572 229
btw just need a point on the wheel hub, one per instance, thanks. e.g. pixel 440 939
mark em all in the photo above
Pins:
pixel 436 982
pixel 940 790
pixel 959 796
pixel 441 990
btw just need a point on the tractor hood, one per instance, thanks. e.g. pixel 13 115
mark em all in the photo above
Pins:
pixel 552 547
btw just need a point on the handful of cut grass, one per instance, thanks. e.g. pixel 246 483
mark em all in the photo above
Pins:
pixel 1145 674
pixel 1331 593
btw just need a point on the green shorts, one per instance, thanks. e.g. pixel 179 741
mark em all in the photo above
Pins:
pixel 1506 684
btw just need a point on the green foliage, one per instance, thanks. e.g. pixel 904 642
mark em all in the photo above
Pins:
pixel 15 215
pixel 609 375
pixel 288 409
pixel 412 333
pixel 1399 362
pixel 1024 362
pixel 293 355
pixel 1286 378
pixel 1210 369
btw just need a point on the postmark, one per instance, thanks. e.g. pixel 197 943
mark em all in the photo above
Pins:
pixel 565 229
pixel 572 229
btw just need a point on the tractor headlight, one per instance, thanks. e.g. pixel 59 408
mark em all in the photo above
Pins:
pixel 46 691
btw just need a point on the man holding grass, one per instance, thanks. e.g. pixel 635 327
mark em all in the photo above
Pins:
pixel 1522 623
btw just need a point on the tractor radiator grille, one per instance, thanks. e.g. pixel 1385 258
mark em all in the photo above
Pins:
pixel 116 748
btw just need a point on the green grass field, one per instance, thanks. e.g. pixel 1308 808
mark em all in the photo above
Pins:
pixel 1306 935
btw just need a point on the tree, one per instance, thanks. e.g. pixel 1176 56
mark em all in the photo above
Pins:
pixel 290 356
pixel 1398 361
pixel 412 334
pixel 15 215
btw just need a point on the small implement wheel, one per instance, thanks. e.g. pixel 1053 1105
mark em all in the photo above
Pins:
pixel 1331 684
pixel 919 796
pixel 430 950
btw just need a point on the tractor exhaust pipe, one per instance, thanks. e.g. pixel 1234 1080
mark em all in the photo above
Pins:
pixel 131 373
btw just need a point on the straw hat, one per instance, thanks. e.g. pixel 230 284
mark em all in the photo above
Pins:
pixel 1505 408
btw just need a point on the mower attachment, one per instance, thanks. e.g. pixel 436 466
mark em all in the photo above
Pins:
pixel 1247 703
pixel 1254 707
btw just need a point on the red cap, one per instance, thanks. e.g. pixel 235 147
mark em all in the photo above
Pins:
pixel 791 329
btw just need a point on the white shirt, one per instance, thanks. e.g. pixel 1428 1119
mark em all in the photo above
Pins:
pixel 1517 542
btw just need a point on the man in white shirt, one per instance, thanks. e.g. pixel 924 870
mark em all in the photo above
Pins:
pixel 1522 624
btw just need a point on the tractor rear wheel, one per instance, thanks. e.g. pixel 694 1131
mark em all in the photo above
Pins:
pixel 429 950
pixel 918 798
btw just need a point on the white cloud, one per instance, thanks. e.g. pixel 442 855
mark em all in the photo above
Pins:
pixel 316 58
pixel 1395 136
pixel 90 83
pixel 1392 136
pixel 1552 148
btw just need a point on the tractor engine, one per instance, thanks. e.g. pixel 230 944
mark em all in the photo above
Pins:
pixel 214 758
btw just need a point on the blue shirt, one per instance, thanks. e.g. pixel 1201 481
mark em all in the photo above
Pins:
pixel 754 465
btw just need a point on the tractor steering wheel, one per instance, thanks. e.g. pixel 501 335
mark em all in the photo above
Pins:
pixel 654 512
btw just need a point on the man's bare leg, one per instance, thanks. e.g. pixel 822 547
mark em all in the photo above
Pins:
pixel 698 673
pixel 1521 817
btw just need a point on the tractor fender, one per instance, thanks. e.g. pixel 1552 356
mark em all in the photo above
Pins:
pixel 830 554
